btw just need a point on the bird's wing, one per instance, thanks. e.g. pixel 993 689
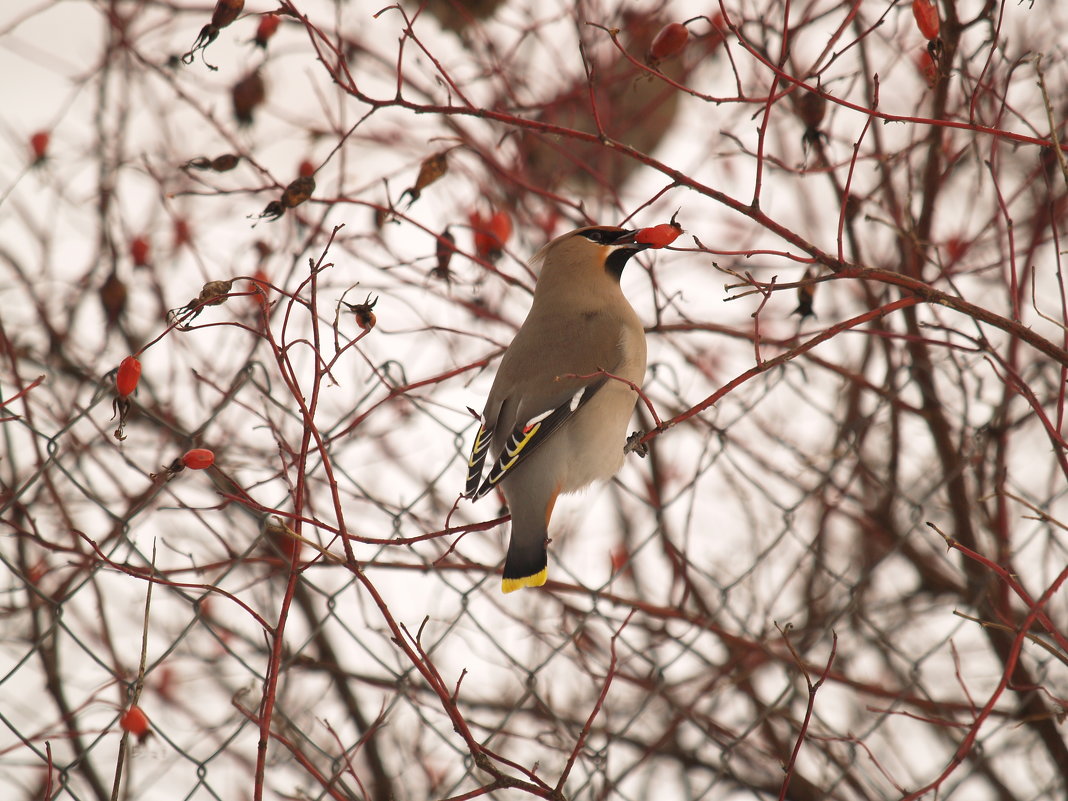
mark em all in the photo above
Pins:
pixel 525 438
pixel 531 397
pixel 477 459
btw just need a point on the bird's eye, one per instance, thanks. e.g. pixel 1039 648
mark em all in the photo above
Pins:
pixel 601 236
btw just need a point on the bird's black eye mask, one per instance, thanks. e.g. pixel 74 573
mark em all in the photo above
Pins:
pixel 605 236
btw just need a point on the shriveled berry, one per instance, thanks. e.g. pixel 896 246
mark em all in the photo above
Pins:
pixel 247 95
pixel 113 295
pixel 225 162
pixel 215 293
pixel 364 314
pixel 298 191
pixel 443 253
pixel 272 211
pixel 226 11
pixel 432 168
pixel 811 108
pixel 806 294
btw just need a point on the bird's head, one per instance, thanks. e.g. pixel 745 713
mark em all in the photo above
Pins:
pixel 590 253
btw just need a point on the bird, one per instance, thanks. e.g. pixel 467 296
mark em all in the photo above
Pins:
pixel 557 412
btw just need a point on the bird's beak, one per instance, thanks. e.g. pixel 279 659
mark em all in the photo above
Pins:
pixel 626 239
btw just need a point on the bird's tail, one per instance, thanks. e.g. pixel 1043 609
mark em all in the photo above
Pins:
pixel 527 559
pixel 526 563
pixel 531 497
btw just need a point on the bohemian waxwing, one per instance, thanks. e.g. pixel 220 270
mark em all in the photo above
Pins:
pixel 551 432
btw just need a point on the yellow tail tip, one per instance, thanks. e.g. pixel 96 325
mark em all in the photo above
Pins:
pixel 513 584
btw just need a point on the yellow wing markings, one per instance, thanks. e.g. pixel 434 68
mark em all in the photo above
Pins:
pixel 526 438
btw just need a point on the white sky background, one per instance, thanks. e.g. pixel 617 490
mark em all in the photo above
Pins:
pixel 736 505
